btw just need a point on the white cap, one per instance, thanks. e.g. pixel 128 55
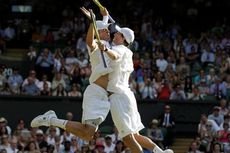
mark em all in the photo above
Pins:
pixel 102 25
pixel 39 131
pixel 127 33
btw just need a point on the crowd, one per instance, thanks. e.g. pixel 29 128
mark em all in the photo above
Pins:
pixel 213 133
pixel 167 64
pixel 52 139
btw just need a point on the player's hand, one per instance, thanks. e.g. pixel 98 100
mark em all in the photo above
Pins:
pixel 104 12
pixel 101 46
pixel 86 12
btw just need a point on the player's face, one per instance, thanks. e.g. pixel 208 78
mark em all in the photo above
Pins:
pixel 104 34
pixel 118 38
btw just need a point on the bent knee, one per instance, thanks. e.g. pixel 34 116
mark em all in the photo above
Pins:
pixel 89 132
pixel 128 139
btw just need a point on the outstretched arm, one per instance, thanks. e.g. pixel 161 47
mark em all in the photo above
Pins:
pixel 105 15
pixel 90 32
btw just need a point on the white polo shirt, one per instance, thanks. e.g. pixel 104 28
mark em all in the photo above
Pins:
pixel 122 67
pixel 97 66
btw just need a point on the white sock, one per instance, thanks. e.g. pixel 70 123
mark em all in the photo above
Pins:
pixel 58 122
pixel 157 150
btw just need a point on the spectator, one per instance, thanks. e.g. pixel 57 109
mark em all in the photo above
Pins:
pixel 207 57
pixel 46 91
pixel 40 139
pixel 32 147
pixel 108 145
pixel 203 89
pixel 182 69
pixel 147 91
pixel 70 60
pixel 81 46
pixel 32 76
pixel 200 77
pixel 66 136
pixel 43 82
pixel 4 128
pixel 32 55
pixel 114 135
pixel 100 148
pixel 49 38
pixel 15 81
pixel 204 121
pixel 216 116
pixel 30 88
pixel 216 148
pixel 161 63
pixel 227 146
pixel 227 85
pixel 5 144
pixel 167 121
pixel 224 107
pixel 56 81
pixel 74 145
pixel 75 92
pixel 222 135
pixel 218 89
pixel 211 77
pixel 3 80
pixel 164 91
pixel 51 134
pixel 82 61
pixel 13 146
pixel 177 93
pixel 193 148
pixel 208 135
pixel 69 116
pixel 226 120
pixel 119 147
pixel 45 63
pixel 60 91
pixel 155 133
pixel 9 32
pixel 6 90
pixel 195 95
pixel 58 57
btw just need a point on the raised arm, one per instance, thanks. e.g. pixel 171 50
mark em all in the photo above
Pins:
pixel 90 32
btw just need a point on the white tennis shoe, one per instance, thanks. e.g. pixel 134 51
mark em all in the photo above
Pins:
pixel 43 120
pixel 168 151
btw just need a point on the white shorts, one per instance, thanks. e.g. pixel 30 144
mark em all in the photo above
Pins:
pixel 125 113
pixel 95 104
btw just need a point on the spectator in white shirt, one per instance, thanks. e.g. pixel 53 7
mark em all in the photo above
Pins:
pixel 161 63
pixel 109 146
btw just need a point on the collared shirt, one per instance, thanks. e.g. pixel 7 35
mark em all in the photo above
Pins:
pixel 207 57
pixel 221 87
pixel 30 89
pixel 161 64
pixel 15 80
pixel 97 65
pixel 47 62
pixel 122 67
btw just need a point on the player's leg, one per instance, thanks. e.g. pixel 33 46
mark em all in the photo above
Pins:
pixel 149 144
pixel 122 117
pixel 131 142
pixel 95 109
pixel 49 118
